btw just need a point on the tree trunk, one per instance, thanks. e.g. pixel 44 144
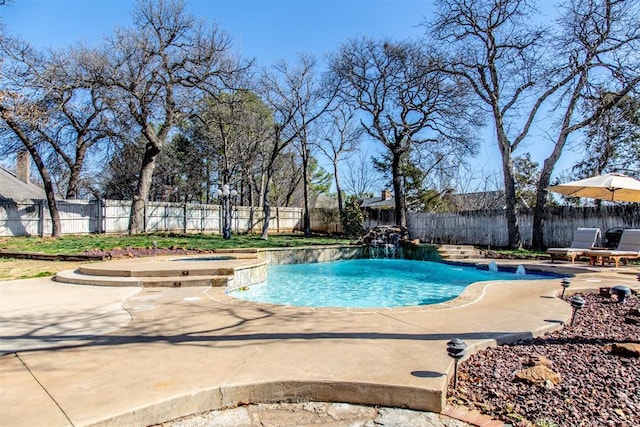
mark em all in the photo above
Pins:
pixel 335 175
pixel 266 208
pixel 396 170
pixel 306 218
pixel 74 177
pixel 513 229
pixel 136 219
pixel 250 204
pixel 56 226
pixel 537 241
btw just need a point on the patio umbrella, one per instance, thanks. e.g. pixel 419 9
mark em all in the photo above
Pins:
pixel 614 187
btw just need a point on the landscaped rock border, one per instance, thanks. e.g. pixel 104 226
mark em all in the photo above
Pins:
pixel 596 388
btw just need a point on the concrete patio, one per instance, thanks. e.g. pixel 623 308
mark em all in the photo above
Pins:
pixel 95 355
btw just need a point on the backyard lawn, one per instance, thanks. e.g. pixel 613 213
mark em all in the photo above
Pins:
pixel 73 245
pixel 126 245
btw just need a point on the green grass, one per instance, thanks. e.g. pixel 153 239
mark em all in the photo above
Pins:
pixel 72 245
pixel 40 274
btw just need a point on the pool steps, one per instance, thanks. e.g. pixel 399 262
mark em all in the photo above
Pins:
pixel 458 252
pixel 78 278
pixel 244 269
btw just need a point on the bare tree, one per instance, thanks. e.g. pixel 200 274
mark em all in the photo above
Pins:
pixel 23 111
pixel 519 73
pixel 311 102
pixel 342 138
pixel 227 129
pixel 360 179
pixel 602 39
pixel 80 118
pixel 495 48
pixel 293 97
pixel 155 71
pixel 612 141
pixel 405 98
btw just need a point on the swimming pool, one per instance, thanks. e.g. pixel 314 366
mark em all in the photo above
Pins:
pixel 364 283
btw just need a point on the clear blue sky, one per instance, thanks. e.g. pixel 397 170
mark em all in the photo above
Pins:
pixel 266 30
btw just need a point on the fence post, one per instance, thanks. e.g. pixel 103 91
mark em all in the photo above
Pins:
pixel 165 218
pixel 41 217
pixel 99 226
pixel 251 219
pixel 186 215
pixel 220 226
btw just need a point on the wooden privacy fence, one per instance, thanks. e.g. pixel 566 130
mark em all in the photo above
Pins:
pixel 483 228
pixel 31 218
pixel 489 227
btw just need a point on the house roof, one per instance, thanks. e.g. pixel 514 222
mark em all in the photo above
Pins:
pixel 478 201
pixel 378 203
pixel 484 200
pixel 12 188
pixel 323 201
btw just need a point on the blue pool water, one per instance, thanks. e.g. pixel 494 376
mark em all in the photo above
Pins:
pixel 365 283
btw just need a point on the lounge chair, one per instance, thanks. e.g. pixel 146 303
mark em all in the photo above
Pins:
pixel 583 240
pixel 628 248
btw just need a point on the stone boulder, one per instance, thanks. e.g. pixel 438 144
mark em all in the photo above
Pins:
pixel 539 375
pixel 386 235
pixel 536 359
pixel 632 317
pixel 626 349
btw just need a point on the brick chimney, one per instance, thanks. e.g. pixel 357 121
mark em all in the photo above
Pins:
pixel 22 166
pixel 386 194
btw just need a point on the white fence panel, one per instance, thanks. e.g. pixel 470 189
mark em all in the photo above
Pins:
pixel 78 216
pixel 116 216
pixel 156 218
pixel 20 218
pixel 203 218
pixel 112 216
pixel 288 219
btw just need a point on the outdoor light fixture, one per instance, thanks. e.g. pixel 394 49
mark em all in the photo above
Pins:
pixel 577 303
pixel 565 283
pixel 228 201
pixel 622 292
pixel 456 349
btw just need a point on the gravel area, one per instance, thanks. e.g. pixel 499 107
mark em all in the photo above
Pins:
pixel 596 387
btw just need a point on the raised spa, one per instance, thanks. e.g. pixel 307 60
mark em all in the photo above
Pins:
pixel 363 283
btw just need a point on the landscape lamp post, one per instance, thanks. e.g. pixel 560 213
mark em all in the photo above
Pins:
pixel 577 303
pixel 456 349
pixel 565 283
pixel 227 199
pixel 622 292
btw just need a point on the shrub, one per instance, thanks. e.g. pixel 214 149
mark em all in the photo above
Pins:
pixel 352 218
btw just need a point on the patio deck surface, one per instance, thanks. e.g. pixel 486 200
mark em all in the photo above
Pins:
pixel 94 355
